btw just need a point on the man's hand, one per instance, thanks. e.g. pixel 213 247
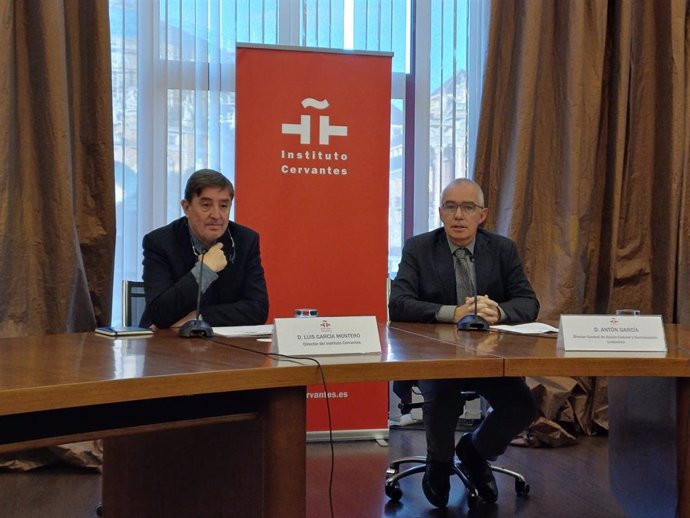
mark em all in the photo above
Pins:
pixel 189 316
pixel 214 258
pixel 487 309
pixel 462 311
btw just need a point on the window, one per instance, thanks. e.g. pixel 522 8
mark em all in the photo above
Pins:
pixel 173 97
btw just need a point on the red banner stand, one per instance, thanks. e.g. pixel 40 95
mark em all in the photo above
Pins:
pixel 312 164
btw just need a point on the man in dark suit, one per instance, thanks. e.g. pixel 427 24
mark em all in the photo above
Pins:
pixel 232 277
pixel 435 283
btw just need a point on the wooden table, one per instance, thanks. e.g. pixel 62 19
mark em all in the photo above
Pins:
pixel 193 427
pixel 649 406
pixel 198 428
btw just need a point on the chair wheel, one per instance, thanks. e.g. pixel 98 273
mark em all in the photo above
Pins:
pixel 393 492
pixel 521 488
pixel 472 501
pixel 99 510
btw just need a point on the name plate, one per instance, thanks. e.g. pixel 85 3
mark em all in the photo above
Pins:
pixel 611 333
pixel 326 335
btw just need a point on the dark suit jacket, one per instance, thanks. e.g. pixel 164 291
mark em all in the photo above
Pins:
pixel 426 278
pixel 237 297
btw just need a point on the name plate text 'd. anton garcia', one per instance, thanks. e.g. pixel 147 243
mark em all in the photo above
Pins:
pixel 611 333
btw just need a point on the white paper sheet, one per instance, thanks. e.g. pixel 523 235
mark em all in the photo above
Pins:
pixel 239 331
pixel 531 328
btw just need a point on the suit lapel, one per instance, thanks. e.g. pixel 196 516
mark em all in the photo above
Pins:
pixel 445 270
pixel 482 262
pixel 183 243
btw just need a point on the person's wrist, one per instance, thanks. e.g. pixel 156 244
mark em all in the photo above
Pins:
pixel 460 312
pixel 446 314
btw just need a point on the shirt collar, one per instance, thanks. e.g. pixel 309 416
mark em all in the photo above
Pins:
pixel 454 247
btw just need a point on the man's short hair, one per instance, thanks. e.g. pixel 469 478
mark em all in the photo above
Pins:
pixel 203 178
pixel 460 181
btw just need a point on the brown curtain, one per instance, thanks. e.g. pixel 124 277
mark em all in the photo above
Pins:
pixel 57 210
pixel 584 150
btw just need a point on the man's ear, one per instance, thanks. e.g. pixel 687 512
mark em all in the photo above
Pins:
pixel 185 205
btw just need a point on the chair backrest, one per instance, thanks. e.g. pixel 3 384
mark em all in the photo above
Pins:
pixel 403 389
pixel 133 302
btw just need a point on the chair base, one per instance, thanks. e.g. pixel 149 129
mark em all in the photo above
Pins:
pixel 394 474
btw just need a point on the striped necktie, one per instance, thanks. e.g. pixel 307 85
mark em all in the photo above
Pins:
pixel 463 280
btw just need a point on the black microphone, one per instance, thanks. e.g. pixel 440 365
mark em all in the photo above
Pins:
pixel 473 322
pixel 197 328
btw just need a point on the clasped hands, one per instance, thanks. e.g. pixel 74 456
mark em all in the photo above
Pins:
pixel 486 308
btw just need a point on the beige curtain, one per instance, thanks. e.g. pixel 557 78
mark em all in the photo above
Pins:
pixel 57 211
pixel 584 150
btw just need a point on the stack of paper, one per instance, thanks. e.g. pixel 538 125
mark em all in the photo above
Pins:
pixel 239 331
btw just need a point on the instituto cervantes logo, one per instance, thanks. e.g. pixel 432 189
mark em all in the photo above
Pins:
pixel 322 160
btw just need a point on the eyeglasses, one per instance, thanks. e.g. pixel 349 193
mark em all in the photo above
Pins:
pixel 467 207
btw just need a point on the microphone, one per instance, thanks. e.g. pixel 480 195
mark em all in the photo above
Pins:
pixel 197 328
pixel 473 322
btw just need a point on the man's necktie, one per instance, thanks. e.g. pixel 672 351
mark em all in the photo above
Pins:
pixel 463 282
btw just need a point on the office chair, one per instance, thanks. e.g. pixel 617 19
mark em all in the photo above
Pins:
pixel 133 302
pixel 394 473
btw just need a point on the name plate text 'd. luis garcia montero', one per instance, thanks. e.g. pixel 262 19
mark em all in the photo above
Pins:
pixel 326 335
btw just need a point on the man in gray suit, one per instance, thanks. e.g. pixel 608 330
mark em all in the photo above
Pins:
pixel 435 283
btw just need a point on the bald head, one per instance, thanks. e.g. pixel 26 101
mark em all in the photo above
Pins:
pixel 459 182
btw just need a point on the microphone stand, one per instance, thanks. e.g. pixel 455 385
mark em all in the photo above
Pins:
pixel 473 322
pixel 197 328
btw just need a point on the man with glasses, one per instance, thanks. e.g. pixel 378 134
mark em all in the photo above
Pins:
pixel 204 250
pixel 436 282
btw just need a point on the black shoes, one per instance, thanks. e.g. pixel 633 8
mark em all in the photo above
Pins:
pixel 436 483
pixel 477 469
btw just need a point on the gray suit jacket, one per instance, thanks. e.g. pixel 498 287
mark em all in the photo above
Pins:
pixel 426 278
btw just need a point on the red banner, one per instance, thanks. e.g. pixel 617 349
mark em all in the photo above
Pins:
pixel 313 146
